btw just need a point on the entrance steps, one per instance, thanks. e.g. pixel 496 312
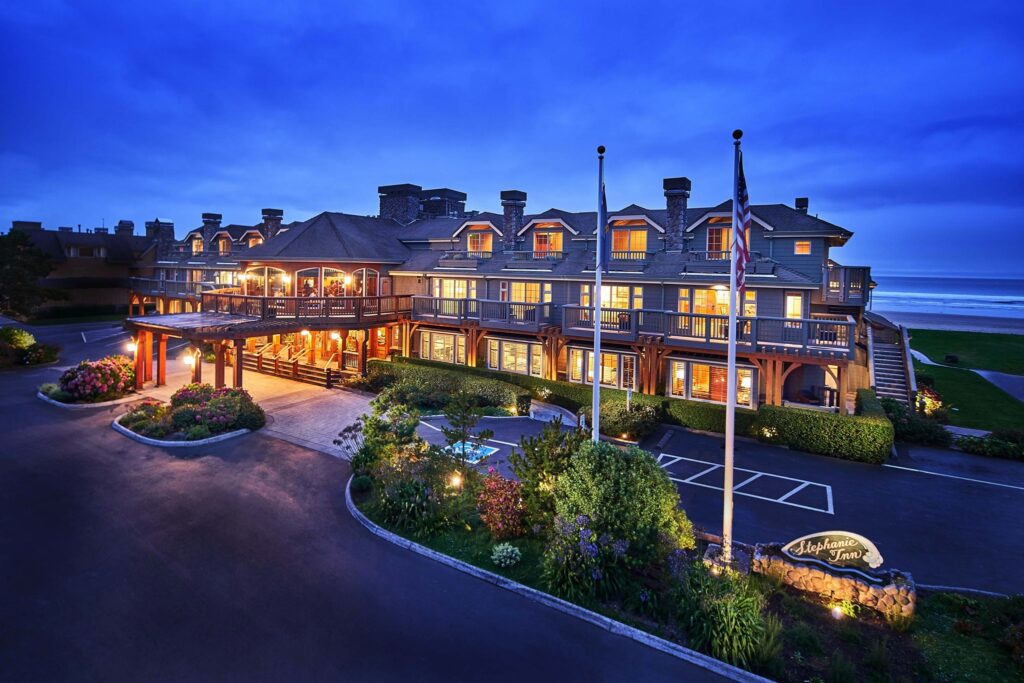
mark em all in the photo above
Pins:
pixel 292 369
pixel 890 372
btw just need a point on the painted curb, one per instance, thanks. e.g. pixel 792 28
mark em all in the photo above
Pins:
pixel 86 406
pixel 711 664
pixel 116 424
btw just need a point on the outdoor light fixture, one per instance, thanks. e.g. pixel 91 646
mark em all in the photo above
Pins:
pixel 131 346
pixel 189 359
pixel 335 336
pixel 347 280
pixel 243 277
pixel 837 612
pixel 456 481
pixel 304 333
pixel 287 279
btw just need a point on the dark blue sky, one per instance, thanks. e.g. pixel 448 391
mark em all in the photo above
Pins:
pixel 904 125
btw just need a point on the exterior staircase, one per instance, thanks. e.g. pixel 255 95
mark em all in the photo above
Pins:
pixel 889 369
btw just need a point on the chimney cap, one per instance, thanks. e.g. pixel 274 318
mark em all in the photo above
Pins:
pixel 443 193
pixel 676 184
pixel 402 189
pixel 212 217
pixel 802 204
pixel 272 213
pixel 513 196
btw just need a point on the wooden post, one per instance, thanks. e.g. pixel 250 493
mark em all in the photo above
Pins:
pixel 276 341
pixel 147 355
pixel 140 372
pixel 239 346
pixel 313 337
pixel 362 351
pixel 405 339
pixel 844 380
pixel 161 360
pixel 197 368
pixel 218 365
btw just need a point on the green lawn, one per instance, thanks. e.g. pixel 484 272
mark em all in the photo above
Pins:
pixel 972 400
pixel 1001 352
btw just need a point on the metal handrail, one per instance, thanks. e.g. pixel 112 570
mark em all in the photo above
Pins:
pixel 467 254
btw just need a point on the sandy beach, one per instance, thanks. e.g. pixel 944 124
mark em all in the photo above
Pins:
pixel 967 323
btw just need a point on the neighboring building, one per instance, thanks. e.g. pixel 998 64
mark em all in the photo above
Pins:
pixel 512 291
pixel 93 267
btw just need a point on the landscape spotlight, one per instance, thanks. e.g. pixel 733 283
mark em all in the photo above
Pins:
pixel 456 481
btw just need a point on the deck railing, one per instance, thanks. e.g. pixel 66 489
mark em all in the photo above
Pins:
pixel 489 312
pixel 834 333
pixel 545 255
pixel 171 288
pixel 350 308
pixel 463 255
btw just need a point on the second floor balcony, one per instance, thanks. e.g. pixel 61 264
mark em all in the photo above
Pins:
pixel 847 285
pixel 833 335
pixel 504 315
pixel 310 310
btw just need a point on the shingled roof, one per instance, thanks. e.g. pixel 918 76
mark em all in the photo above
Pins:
pixel 336 237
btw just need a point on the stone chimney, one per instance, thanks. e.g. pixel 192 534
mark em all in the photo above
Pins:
pixel 400 203
pixel 677 195
pixel 211 224
pixel 100 231
pixel 802 204
pixel 272 219
pixel 162 232
pixel 124 228
pixel 513 205
pixel 26 226
pixel 443 201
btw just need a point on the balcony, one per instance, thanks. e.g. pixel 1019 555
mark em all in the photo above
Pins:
pixel 847 285
pixel 170 288
pixel 464 259
pixel 545 255
pixel 832 335
pixel 501 315
pixel 313 309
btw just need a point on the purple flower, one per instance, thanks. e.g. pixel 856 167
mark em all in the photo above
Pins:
pixel 583 520
pixel 588 549
pixel 585 534
pixel 620 547
pixel 596 574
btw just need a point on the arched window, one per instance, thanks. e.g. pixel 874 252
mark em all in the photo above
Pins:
pixel 336 282
pixel 266 282
pixel 307 282
pixel 278 282
pixel 366 282
pixel 254 282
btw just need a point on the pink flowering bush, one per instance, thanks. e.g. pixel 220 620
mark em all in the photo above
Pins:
pixel 102 380
pixel 501 508
pixel 197 411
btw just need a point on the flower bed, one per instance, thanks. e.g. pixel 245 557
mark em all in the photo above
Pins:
pixel 195 412
pixel 19 347
pixel 107 379
pixel 601 527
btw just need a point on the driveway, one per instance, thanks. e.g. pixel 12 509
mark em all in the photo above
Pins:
pixel 948 518
pixel 239 562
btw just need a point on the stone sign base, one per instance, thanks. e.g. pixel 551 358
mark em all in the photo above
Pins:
pixel 895 596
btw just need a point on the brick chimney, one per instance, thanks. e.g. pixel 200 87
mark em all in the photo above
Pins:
pixel 802 204
pixel 211 224
pixel 400 203
pixel 124 228
pixel 272 219
pixel 677 195
pixel 513 205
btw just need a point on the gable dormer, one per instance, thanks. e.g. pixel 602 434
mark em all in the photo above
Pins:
pixel 547 237
pixel 479 237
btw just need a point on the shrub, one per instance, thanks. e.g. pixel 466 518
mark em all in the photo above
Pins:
pixel 913 428
pixel 991 446
pixel 184 417
pixel 636 423
pixel 840 669
pixel 362 484
pixel 1013 639
pixel 505 555
pixel 723 616
pixel 616 511
pixel 197 432
pixel 106 379
pixel 40 353
pixel 16 338
pixel 192 394
pixel 538 462
pixel 867 438
pixel 409 504
pixel 431 387
pixel 1009 434
pixel 707 417
pixel 500 503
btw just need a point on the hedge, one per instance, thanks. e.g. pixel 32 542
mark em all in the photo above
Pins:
pixel 867 437
pixel 448 380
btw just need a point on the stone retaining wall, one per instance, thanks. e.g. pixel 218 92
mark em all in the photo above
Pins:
pixel 894 596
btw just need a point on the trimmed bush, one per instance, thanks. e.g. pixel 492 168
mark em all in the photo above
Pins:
pixel 505 555
pixel 707 417
pixel 431 387
pixel 196 411
pixel 40 353
pixel 102 380
pixel 914 428
pixel 861 437
pixel 16 338
pixel 362 484
pixel 992 446
pixel 636 423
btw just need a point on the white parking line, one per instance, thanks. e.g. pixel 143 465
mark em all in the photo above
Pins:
pixel 953 476
pixel 503 443
pixel 665 460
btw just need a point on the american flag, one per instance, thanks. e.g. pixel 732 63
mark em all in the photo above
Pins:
pixel 741 224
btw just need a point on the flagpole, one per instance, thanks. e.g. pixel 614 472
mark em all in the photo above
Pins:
pixel 595 411
pixel 730 409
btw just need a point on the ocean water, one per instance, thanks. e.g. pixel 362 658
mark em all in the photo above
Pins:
pixel 990 297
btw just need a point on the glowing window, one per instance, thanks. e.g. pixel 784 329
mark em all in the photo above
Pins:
pixel 801 248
